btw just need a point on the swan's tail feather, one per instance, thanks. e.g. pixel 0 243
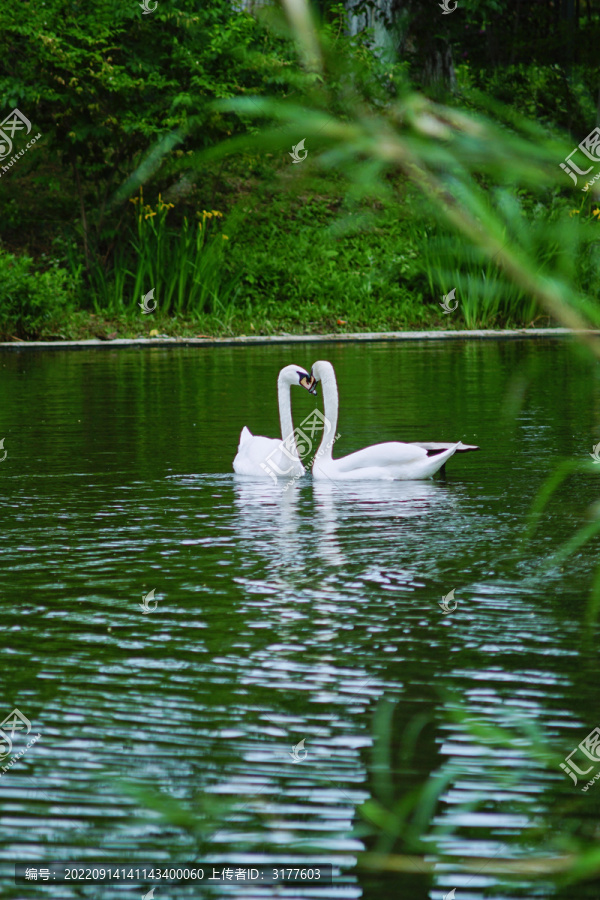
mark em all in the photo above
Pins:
pixel 463 448
pixel 434 463
pixel 435 447
pixel 245 436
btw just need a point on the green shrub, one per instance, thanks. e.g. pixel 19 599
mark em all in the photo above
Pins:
pixel 32 303
pixel 549 94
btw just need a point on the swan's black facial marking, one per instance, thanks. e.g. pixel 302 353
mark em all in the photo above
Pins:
pixel 307 381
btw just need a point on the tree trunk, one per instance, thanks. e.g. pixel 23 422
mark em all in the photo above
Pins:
pixel 403 28
pixel 251 5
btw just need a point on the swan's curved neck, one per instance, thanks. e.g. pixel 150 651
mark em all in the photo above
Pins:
pixel 331 405
pixel 285 415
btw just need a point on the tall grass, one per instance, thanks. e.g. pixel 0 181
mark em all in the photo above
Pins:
pixel 485 298
pixel 184 264
pixel 420 829
pixel 556 239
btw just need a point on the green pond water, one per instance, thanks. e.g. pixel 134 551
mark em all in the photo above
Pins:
pixel 311 614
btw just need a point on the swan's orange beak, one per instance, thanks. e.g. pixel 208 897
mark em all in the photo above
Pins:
pixel 309 383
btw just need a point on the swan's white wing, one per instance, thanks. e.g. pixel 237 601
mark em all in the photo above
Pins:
pixel 381 462
pixel 252 451
pixel 264 457
pixel 245 436
pixel 392 453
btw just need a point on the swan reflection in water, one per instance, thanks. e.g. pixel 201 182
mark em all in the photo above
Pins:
pixel 307 553
pixel 289 523
pixel 272 522
pixel 369 514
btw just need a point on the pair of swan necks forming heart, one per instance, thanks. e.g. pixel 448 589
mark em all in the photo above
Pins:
pixel 268 457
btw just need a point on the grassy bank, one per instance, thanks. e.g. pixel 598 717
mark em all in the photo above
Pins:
pixel 279 250
pixel 162 173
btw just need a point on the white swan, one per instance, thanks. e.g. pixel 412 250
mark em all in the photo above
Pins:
pixel 263 457
pixel 389 461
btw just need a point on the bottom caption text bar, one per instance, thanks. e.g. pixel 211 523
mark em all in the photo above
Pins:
pixel 139 873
